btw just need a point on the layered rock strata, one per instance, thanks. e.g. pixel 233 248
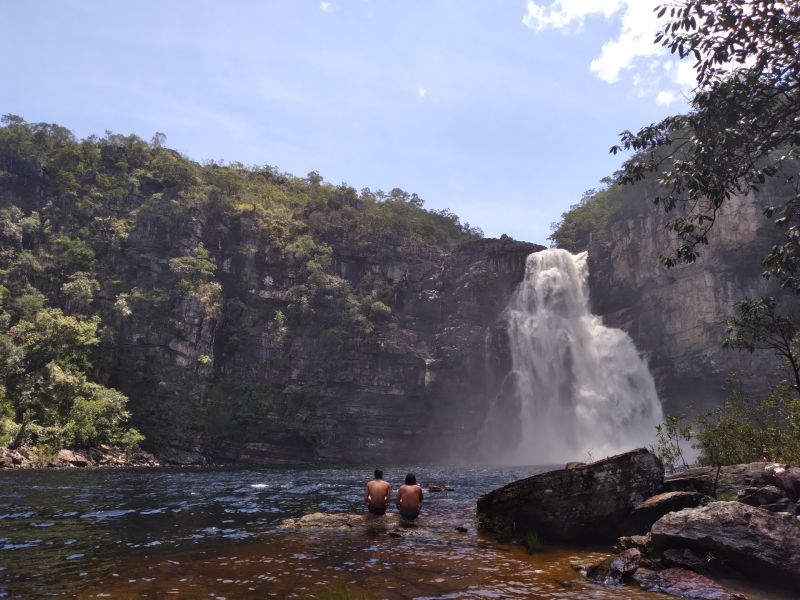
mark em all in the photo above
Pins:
pixel 674 315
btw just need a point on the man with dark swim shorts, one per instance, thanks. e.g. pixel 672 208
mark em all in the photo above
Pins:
pixel 409 498
pixel 377 494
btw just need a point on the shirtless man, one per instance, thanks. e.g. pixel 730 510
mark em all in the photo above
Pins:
pixel 409 498
pixel 377 494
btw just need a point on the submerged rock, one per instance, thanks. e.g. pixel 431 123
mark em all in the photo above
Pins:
pixel 612 570
pixel 391 523
pixel 583 505
pixel 759 542
pixel 683 584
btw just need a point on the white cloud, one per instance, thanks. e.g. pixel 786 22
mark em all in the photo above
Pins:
pixel 639 27
pixel 422 93
pixel 631 52
pixel 685 75
pixel 564 13
pixel 666 97
pixel 326 6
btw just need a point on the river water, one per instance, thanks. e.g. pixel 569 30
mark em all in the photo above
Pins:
pixel 216 533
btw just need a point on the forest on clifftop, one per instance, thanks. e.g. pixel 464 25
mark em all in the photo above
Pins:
pixel 102 233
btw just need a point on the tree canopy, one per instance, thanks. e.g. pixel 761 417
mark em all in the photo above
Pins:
pixel 587 221
pixel 744 125
pixel 118 255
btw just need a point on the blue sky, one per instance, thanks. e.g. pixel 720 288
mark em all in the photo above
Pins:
pixel 502 110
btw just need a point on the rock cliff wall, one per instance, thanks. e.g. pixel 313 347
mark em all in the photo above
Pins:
pixel 282 390
pixel 674 315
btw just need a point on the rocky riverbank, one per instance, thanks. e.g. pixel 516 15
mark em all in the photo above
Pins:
pixel 677 534
pixel 26 457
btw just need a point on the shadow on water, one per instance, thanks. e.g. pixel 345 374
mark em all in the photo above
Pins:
pixel 217 533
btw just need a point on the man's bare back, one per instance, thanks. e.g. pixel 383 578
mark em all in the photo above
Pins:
pixel 409 498
pixel 377 494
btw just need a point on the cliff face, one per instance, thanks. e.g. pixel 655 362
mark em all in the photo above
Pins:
pixel 265 390
pixel 674 315
pixel 237 313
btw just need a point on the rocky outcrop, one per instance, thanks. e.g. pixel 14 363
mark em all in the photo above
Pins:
pixel 103 456
pixel 673 315
pixel 684 541
pixel 581 505
pixel 651 510
pixel 674 581
pixel 730 480
pixel 755 540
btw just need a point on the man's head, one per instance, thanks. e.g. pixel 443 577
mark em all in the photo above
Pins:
pixel 378 474
pixel 411 479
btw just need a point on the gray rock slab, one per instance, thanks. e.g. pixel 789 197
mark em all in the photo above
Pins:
pixel 582 505
pixel 761 543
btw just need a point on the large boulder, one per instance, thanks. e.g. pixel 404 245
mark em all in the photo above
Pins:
pixel 651 510
pixel 757 541
pixel 729 480
pixel 583 505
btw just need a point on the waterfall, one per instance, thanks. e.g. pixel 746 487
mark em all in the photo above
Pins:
pixel 580 389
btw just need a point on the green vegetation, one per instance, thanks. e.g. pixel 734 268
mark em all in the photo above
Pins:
pixel 533 543
pixel 587 221
pixel 129 271
pixel 591 219
pixel 741 430
pixel 744 126
pixel 669 436
pixel 756 324
pixel 745 429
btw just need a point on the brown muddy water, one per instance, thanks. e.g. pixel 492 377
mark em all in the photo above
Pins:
pixel 216 533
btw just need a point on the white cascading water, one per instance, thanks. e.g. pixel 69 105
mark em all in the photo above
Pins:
pixel 584 390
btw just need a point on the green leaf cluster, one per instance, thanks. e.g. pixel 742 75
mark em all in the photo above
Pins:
pixel 742 431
